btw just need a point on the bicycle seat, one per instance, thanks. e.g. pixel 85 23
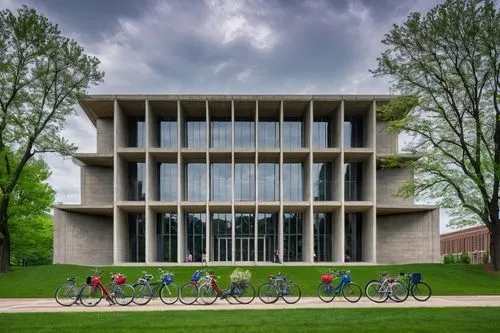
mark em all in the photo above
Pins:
pixel 71 278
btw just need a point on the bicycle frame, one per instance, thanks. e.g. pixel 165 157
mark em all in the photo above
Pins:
pixel 336 290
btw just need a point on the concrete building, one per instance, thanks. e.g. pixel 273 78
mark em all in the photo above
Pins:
pixel 474 240
pixel 240 177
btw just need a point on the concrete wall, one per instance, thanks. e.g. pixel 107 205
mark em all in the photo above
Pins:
pixel 96 185
pixel 388 183
pixel 82 239
pixel 387 143
pixel 408 238
pixel 105 137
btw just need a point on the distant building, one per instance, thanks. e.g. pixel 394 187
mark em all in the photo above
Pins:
pixel 475 241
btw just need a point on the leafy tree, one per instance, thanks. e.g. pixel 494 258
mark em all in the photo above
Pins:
pixel 446 64
pixel 42 75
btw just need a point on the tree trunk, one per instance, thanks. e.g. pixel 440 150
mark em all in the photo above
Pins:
pixel 4 246
pixel 495 245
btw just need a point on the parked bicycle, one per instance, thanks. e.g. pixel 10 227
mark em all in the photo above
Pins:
pixel 335 282
pixel 241 290
pixel 118 292
pixel 420 290
pixel 379 291
pixel 279 286
pixel 67 293
pixel 189 291
pixel 145 289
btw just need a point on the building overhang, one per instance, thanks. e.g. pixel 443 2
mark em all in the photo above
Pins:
pixel 93 159
pixel 404 209
pixel 102 210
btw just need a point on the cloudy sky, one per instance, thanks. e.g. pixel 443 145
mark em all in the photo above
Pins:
pixel 222 46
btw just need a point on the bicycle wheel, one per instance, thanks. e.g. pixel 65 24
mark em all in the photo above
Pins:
pixel 421 291
pixel 399 292
pixel 207 294
pixel 325 292
pixel 291 293
pixel 352 292
pixel 124 294
pixel 90 296
pixel 188 293
pixel 143 293
pixel 376 292
pixel 169 293
pixel 66 294
pixel 245 294
pixel 268 293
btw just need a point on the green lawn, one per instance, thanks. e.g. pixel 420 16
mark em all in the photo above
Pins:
pixel 457 279
pixel 311 320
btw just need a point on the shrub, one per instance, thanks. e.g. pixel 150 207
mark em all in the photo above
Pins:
pixel 486 258
pixel 465 257
pixel 449 259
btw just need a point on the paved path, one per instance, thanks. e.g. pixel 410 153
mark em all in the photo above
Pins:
pixel 19 305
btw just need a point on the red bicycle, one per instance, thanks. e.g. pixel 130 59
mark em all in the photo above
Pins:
pixel 118 291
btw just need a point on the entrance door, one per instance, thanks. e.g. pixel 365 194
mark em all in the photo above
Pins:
pixel 224 246
pixel 244 249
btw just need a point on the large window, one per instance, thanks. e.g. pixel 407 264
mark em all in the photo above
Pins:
pixel 195 133
pixel 322 186
pixel 269 133
pixel 353 236
pixel 245 237
pixel 167 175
pixel 136 243
pixel 220 182
pixel 322 132
pixel 269 182
pixel 292 236
pixel 293 133
pixel 136 132
pixel 221 236
pixel 220 132
pixel 167 132
pixel 136 181
pixel 196 181
pixel 353 131
pixel 244 133
pixel 323 237
pixel 352 180
pixel 293 182
pixel 166 237
pixel 195 234
pixel 244 181
pixel 267 241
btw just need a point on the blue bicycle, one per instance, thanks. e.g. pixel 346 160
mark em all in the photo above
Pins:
pixel 342 279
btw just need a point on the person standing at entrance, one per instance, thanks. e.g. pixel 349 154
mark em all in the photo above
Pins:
pixel 204 257
pixel 276 255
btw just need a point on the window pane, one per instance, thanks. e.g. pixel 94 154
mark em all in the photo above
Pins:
pixel 323 237
pixel 220 182
pixel 220 133
pixel 166 237
pixel 292 236
pixel 267 241
pixel 136 132
pixel 322 178
pixel 167 132
pixel 293 182
pixel 136 181
pixel 269 133
pixel 321 133
pixel 136 243
pixel 293 133
pixel 244 181
pixel 168 181
pixel 195 233
pixel 196 181
pixel 353 236
pixel 195 135
pixel 221 236
pixel 244 134
pixel 353 132
pixel 352 179
pixel 269 181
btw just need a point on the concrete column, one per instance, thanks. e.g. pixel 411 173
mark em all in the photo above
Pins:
pixel 373 180
pixel 118 244
pixel 150 225
pixel 280 216
pixel 233 220
pixel 180 187
pixel 207 210
pixel 340 222
pixel 308 248
pixel 256 216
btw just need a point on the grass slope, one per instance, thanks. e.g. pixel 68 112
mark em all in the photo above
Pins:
pixel 455 320
pixel 457 279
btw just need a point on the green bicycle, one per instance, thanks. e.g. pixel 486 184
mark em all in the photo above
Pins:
pixel 144 289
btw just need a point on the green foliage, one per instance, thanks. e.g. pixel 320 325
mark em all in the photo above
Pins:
pixel 32 241
pixel 465 257
pixel 394 162
pixel 397 109
pixel 449 259
pixel 486 258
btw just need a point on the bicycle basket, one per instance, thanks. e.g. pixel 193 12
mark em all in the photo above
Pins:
pixel 416 277
pixel 196 276
pixel 169 278
pixel 120 279
pixel 326 278
pixel 346 278
pixel 89 279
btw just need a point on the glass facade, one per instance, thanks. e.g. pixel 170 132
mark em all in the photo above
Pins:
pixel 353 236
pixel 166 237
pixel 220 132
pixel 220 182
pixel 136 242
pixel 269 133
pixel 167 176
pixel 244 182
pixel 322 137
pixel 167 132
pixel 195 132
pixel 322 178
pixel 293 133
pixel 196 182
pixel 353 173
pixel 292 236
pixel 244 133
pixel 244 236
pixel 136 181
pixel 293 175
pixel 267 237
pixel 221 236
pixel 269 182
pixel 136 132
pixel 323 238
pixel 353 132
pixel 195 236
